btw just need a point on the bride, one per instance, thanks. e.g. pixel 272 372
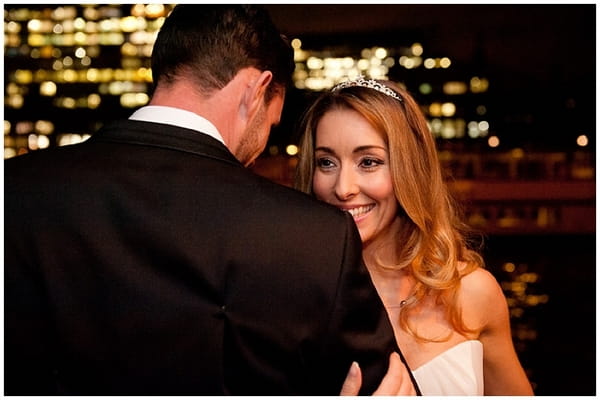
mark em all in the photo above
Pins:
pixel 367 149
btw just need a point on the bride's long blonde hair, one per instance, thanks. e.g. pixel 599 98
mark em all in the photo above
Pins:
pixel 433 243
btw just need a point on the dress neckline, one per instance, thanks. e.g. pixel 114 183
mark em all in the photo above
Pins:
pixel 453 348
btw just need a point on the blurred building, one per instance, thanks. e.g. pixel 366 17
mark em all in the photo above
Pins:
pixel 70 68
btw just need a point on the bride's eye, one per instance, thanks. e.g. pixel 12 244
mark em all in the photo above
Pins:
pixel 325 163
pixel 370 162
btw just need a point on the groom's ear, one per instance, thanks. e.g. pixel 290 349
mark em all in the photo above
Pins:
pixel 254 93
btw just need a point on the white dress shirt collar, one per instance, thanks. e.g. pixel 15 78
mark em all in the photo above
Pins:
pixel 177 117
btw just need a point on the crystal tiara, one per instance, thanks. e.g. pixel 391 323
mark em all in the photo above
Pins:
pixel 368 83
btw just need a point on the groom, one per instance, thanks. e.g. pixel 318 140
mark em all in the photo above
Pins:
pixel 148 261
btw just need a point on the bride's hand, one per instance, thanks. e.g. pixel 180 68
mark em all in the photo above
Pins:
pixel 396 382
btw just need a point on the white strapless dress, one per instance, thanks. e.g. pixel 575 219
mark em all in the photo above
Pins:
pixel 456 372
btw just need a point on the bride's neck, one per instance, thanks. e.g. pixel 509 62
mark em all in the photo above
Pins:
pixel 392 283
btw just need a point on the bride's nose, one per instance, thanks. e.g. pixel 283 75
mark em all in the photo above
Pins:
pixel 346 185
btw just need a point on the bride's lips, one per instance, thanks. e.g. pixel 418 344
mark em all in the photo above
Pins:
pixel 359 212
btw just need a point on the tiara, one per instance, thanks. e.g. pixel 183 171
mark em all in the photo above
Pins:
pixel 368 83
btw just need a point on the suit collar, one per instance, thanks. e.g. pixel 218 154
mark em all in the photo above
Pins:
pixel 166 136
pixel 177 117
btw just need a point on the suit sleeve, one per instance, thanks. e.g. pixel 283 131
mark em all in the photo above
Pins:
pixel 27 356
pixel 359 328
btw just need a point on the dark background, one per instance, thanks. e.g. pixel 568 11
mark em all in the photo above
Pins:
pixel 542 43
pixel 540 59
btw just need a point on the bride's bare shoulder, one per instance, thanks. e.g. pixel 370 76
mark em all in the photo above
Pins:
pixel 479 276
pixel 480 282
pixel 480 294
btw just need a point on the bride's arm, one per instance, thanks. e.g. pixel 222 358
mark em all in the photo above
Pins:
pixel 503 374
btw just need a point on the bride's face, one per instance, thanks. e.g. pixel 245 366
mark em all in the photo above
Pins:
pixel 352 172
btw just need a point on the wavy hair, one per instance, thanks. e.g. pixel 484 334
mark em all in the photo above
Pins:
pixel 433 243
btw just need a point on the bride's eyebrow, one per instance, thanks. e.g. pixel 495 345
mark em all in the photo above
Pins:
pixel 325 149
pixel 361 149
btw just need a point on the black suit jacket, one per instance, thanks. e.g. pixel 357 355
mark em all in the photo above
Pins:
pixel 148 261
